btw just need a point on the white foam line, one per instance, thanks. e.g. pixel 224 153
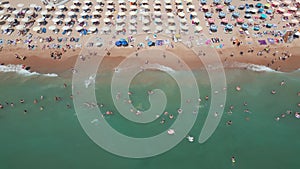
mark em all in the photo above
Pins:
pixel 19 70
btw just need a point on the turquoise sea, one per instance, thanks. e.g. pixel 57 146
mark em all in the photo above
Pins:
pixel 53 138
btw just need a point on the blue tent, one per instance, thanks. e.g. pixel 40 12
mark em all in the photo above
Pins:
pixel 44 30
pixel 118 43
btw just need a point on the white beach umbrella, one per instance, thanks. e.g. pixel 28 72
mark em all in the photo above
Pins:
pixel 180 7
pixel 92 29
pixel 25 20
pixel 96 13
pixel 40 20
pixel 32 5
pixel 4 27
pixel 157 13
pixel 159 28
pixel 119 20
pixel 181 14
pixel 15 12
pixel 191 6
pixel 106 20
pixel 172 28
pixel 65 28
pixel 167 1
pixel 58 13
pixel 97 7
pixel 10 19
pixel 132 27
pixel 110 1
pixel 122 7
pixel 146 28
pixel 184 27
pixel 156 7
pixel 183 20
pixel 178 1
pixel 132 21
pixel 170 15
pixel 73 7
pixel 119 28
pixel 171 20
pixel 198 28
pixel 61 6
pixel 85 7
pixel 80 20
pixel 20 5
pixel 121 13
pixel 146 21
pixel 133 7
pixel 44 12
pixel 294 21
pixel 121 1
pixel 6 5
pixel 193 13
pixel 52 27
pixel 145 13
pixel 144 1
pixel 110 7
pixel 55 20
pixel 168 7
pixel 108 13
pixel 132 13
pixel 20 27
pixel 36 28
pixel 71 13
pixel 196 20
pixel 106 29
pixel 67 20
pixel 157 20
pixel 78 28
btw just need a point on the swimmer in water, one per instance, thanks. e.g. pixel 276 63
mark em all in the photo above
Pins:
pixel 11 104
pixel 233 159
pixel 22 101
pixel 229 123
pixel 1 106
pixel 162 121
pixel 171 116
pixel 41 97
pixel 41 108
pixel 282 83
pixel 206 97
pixel 25 111
pixel 273 91
pixel 35 101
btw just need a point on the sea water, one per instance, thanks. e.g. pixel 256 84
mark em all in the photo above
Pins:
pixel 53 137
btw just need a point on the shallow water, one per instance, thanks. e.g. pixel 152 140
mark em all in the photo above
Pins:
pixel 53 138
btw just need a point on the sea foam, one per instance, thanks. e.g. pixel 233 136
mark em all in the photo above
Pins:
pixel 20 70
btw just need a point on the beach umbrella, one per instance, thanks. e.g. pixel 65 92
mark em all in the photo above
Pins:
pixel 40 20
pixel 132 27
pixel 80 20
pixel 133 7
pixel 119 28
pixel 132 21
pixel 213 28
pixel 10 19
pixel 121 13
pixel 58 13
pixel 184 27
pixel 258 5
pixel 181 14
pixel 240 20
pixel 168 7
pixel 269 11
pixel 248 16
pixel 281 10
pixel 118 43
pixel 156 7
pixel 203 2
pixel 294 21
pixel 67 20
pixel 211 20
pixel 93 29
pixel 106 20
pixel 167 1
pixel 170 15
pixel 235 14
pixel 178 1
pixel 172 28
pixel 231 8
pixel 78 28
pixel 229 27
pixel 159 28
pixel 245 26
pixel 6 5
pixel 146 21
pixel 208 15
pixel 196 20
pixel 146 28
pixel 95 20
pixel 287 2
pixel 157 13
pixel 20 27
pixel 145 13
pixel 292 8
pixel 180 7
pixel 198 28
pixel 25 20
pixel 124 42
pixel 263 16
pixel 5 27
pixel 216 2
pixel 256 28
pixel 37 28
pixel 275 3
pixel 52 28
pixel 224 20
pixel 219 7
pixel 268 25
pixel 119 20
pixel 183 20
pixel 171 20
pixel 193 13
pixel 287 14
pixel 157 20
pixel 191 6
pixel 71 14
pixel 222 14
pixel 65 28
pixel 133 13
pixel 227 2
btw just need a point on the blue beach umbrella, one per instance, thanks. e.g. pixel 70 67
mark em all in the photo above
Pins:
pixel 229 27
pixel 256 28
pixel 269 25
pixel 203 2
pixel 231 8
pixel 263 16
pixel 258 5
pixel 269 11
pixel 150 43
pixel 245 26
pixel 118 43
pixel 260 10
pixel 227 2
pixel 241 7
pixel 208 15
pixel 222 14
pixel 248 16
pixel 235 14
pixel 213 28
pixel 217 2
